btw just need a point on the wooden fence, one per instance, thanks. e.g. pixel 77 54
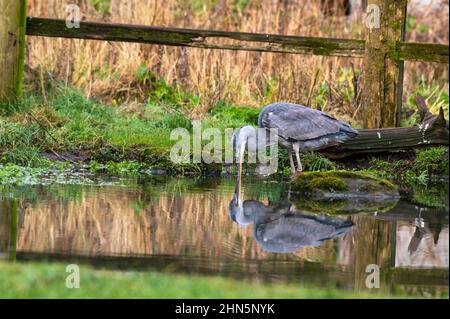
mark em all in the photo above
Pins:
pixel 383 49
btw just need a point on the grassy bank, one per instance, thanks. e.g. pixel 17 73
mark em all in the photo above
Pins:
pixel 63 128
pixel 33 280
pixel 66 126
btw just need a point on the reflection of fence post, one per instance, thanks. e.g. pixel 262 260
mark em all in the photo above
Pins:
pixel 371 246
pixel 8 229
pixel 13 229
pixel 382 69
pixel 12 48
pixel 393 243
pixel 4 228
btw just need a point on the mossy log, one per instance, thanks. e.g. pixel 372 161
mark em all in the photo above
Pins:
pixel 433 130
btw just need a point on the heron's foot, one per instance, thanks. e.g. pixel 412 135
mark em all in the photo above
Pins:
pixel 296 173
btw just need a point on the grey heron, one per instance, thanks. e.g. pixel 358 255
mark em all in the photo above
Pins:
pixel 283 229
pixel 298 127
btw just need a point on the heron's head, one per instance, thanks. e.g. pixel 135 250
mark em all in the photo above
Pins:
pixel 237 213
pixel 244 137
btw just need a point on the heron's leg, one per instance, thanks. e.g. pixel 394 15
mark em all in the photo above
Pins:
pixel 291 161
pixel 297 155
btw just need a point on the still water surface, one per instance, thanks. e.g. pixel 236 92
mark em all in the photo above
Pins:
pixel 194 226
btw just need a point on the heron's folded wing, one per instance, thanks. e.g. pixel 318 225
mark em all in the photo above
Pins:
pixel 301 123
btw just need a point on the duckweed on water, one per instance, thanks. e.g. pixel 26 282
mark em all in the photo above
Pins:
pixel 15 175
pixel 125 168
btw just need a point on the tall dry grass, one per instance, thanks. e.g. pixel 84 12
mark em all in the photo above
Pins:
pixel 106 69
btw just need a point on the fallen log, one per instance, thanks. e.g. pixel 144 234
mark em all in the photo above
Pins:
pixel 433 130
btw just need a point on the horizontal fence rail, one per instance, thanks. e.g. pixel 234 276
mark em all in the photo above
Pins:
pixel 238 40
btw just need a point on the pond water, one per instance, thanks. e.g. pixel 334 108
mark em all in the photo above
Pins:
pixel 189 225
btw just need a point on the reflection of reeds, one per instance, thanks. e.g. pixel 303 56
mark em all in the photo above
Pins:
pixel 8 228
pixel 119 221
pixel 5 221
pixel 115 221
pixel 104 68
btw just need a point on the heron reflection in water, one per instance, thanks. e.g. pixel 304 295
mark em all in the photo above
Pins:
pixel 283 229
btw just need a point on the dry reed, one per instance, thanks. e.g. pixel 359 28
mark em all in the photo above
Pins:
pixel 106 70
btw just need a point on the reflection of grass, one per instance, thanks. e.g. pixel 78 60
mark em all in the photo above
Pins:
pixel 48 281
pixel 274 191
pixel 320 206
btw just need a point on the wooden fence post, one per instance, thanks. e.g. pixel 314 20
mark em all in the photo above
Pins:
pixel 382 67
pixel 401 71
pixel 12 48
pixel 8 229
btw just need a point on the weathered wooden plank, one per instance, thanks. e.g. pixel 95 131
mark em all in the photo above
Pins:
pixel 8 229
pixel 197 38
pixel 205 39
pixel 401 72
pixel 12 48
pixel 431 52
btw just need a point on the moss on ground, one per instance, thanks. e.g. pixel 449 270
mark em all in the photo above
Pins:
pixel 311 181
pixel 327 183
pixel 334 181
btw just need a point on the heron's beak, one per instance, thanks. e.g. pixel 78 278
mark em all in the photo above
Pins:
pixel 238 179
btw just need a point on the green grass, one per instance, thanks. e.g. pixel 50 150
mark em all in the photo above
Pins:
pixel 70 123
pixel 436 97
pixel 428 162
pixel 66 122
pixel 433 161
pixel 39 280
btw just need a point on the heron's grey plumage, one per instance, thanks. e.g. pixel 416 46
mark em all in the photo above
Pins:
pixel 297 127
pixel 311 128
pixel 301 128
pixel 283 229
